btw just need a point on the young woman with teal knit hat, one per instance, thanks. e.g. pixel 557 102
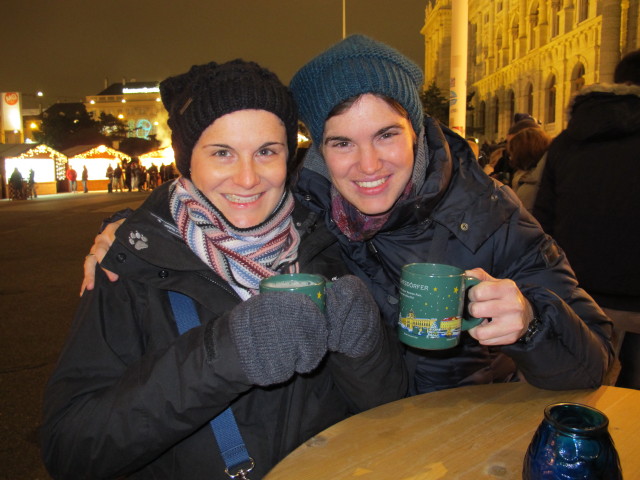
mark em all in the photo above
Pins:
pixel 390 186
pixel 183 338
pixel 396 187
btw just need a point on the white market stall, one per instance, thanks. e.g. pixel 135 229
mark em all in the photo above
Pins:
pixel 97 159
pixel 162 156
pixel 47 164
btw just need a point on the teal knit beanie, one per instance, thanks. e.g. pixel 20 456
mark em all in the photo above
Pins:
pixel 354 66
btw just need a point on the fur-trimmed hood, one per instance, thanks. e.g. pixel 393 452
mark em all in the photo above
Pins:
pixel 605 111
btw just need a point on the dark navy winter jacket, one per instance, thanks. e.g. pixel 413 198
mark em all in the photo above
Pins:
pixel 483 225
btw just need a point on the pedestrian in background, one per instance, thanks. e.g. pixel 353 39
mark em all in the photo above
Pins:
pixel 118 185
pixel 527 156
pixel 126 173
pixel 72 177
pixel 134 173
pixel 589 197
pixel 85 179
pixel 32 184
pixel 109 176
pixel 16 185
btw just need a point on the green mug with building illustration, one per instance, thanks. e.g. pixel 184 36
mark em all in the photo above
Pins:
pixel 433 298
pixel 309 284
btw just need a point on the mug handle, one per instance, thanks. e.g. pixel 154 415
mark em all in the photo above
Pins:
pixel 467 320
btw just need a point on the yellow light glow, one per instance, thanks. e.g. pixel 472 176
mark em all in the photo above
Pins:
pixel 123 101
pixel 163 156
pixel 15 120
pixel 92 102
pixel 33 125
pixel 101 150
pixel 121 116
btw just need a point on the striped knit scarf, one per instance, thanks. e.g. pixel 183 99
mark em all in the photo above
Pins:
pixel 244 256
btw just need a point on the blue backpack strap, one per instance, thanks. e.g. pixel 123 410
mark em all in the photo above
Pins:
pixel 224 426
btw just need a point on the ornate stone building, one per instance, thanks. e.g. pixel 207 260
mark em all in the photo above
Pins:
pixel 530 55
pixel 136 103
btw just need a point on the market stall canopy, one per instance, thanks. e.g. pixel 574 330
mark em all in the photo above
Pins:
pixel 48 164
pixel 97 159
pixel 162 156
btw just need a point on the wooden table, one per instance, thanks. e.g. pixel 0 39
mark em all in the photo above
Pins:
pixel 477 432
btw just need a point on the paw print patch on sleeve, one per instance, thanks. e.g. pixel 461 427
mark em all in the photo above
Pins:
pixel 138 240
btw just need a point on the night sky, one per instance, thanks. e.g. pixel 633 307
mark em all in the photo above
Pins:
pixel 67 48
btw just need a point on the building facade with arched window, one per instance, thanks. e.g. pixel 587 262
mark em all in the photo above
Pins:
pixel 530 56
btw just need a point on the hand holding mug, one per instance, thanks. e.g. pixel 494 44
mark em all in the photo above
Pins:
pixel 501 301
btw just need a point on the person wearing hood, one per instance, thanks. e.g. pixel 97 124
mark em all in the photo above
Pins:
pixel 589 196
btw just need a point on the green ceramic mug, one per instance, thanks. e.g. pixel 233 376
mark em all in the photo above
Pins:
pixel 310 284
pixel 432 304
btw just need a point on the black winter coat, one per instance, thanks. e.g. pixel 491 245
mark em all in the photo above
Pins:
pixel 482 224
pixel 131 398
pixel 589 197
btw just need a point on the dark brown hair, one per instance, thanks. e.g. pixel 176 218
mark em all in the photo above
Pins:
pixel 349 102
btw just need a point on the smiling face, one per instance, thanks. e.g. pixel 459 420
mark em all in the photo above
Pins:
pixel 240 164
pixel 369 153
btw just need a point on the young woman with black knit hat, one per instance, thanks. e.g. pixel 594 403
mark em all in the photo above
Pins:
pixel 133 397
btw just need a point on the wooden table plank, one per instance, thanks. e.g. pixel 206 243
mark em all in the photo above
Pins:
pixel 477 432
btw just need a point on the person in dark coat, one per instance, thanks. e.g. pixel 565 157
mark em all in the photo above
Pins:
pixel 16 186
pixel 85 179
pixel 392 186
pixel 589 196
pixel 109 175
pixel 130 396
pixel 395 187
pixel 118 184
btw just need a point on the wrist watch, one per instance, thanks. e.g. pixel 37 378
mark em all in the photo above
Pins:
pixel 532 329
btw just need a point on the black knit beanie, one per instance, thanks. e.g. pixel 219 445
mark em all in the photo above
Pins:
pixel 197 98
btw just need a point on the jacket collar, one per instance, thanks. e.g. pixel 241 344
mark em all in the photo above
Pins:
pixel 151 234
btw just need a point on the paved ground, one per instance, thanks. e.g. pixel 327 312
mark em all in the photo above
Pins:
pixel 42 247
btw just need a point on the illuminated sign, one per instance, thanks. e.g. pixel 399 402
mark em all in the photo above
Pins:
pixel 11 98
pixel 11 111
pixel 141 90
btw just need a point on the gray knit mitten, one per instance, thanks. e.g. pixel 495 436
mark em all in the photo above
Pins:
pixel 354 318
pixel 277 334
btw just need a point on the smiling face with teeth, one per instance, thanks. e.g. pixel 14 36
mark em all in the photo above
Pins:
pixel 240 164
pixel 368 149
